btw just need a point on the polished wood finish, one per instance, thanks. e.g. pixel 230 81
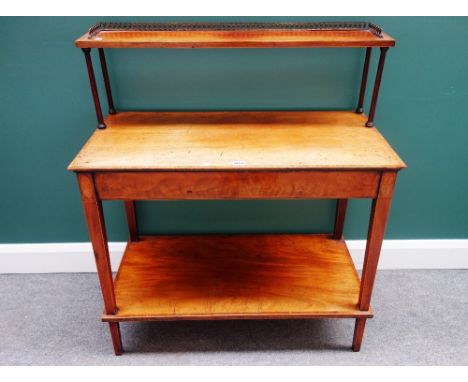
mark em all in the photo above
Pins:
pixel 236 141
pixel 365 73
pixel 378 222
pixel 94 91
pixel 114 328
pixel 147 286
pixel 341 206
pixel 236 276
pixel 130 213
pixel 236 155
pixel 377 225
pixel 375 93
pixel 97 231
pixel 359 327
pixel 207 185
pixel 94 217
pixel 235 39
pixel 105 76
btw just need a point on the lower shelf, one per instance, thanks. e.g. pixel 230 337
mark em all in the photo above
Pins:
pixel 236 277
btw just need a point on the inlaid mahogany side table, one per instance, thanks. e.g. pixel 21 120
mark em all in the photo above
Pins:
pixel 236 155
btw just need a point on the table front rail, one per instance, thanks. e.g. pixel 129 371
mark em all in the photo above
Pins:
pixel 193 185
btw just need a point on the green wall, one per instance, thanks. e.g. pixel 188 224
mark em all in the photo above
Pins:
pixel 46 114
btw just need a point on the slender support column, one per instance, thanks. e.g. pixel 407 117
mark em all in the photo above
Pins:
pixel 358 333
pixel 365 72
pixel 97 231
pixel 105 75
pixel 92 81
pixel 341 206
pixel 130 212
pixel 114 328
pixel 378 79
pixel 378 222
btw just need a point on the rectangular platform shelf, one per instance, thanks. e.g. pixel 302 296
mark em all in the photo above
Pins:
pixel 236 277
pixel 237 140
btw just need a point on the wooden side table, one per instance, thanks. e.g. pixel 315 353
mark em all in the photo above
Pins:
pixel 235 155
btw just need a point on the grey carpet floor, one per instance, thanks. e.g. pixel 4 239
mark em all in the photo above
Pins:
pixel 53 319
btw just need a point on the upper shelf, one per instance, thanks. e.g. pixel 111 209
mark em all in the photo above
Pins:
pixel 235 35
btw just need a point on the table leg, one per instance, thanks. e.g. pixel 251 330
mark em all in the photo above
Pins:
pixel 358 333
pixel 378 222
pixel 341 206
pixel 116 337
pixel 97 231
pixel 130 212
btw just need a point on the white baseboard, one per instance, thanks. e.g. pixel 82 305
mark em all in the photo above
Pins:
pixel 78 257
pixel 416 254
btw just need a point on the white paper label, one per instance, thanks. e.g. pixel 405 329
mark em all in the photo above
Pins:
pixel 238 163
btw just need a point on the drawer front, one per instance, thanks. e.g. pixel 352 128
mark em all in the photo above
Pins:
pixel 199 185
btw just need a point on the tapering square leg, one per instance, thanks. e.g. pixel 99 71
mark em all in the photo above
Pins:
pixel 341 206
pixel 116 337
pixel 130 213
pixel 358 333
pixel 97 231
pixel 378 222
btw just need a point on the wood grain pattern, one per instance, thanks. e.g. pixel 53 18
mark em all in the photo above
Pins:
pixel 206 185
pixel 235 39
pixel 241 276
pixel 235 155
pixel 236 141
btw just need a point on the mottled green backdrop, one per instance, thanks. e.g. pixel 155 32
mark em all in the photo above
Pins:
pixel 46 114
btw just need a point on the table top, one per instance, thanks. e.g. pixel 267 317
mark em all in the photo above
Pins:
pixel 247 140
pixel 244 35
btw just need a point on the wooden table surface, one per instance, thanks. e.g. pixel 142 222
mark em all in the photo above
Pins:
pixel 236 276
pixel 272 140
pixel 235 39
